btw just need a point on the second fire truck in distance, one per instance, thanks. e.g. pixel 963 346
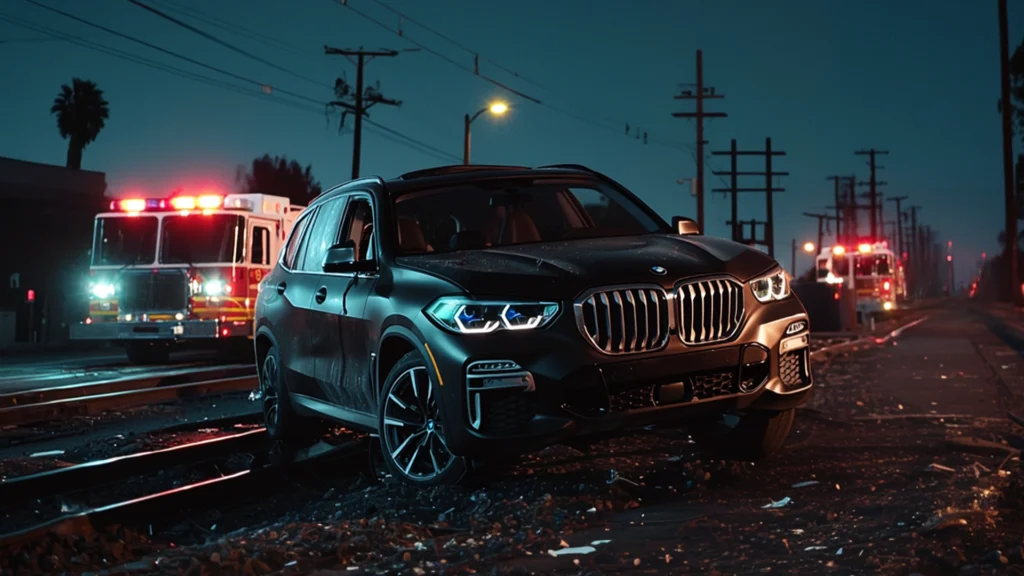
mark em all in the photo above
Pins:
pixel 181 270
pixel 878 274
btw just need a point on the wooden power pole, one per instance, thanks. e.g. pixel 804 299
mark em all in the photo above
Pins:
pixel 873 185
pixel 1006 108
pixel 768 189
pixel 899 223
pixel 361 99
pixel 699 95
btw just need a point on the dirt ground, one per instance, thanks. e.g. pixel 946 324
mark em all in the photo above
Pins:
pixel 899 465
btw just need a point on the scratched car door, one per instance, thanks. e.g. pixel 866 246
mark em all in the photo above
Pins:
pixel 341 335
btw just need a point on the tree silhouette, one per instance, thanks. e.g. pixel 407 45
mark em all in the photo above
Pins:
pixel 277 176
pixel 81 114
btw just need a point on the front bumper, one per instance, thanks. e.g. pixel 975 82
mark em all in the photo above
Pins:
pixel 171 330
pixel 520 391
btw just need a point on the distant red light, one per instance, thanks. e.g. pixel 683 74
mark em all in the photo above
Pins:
pixel 949 258
pixel 225 332
pixel 88 320
pixel 30 296
pixel 886 285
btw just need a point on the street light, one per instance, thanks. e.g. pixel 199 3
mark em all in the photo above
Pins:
pixel 497 108
pixel 808 248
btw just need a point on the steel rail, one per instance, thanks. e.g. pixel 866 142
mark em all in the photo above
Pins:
pixel 60 409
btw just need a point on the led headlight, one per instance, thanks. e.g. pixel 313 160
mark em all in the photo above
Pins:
pixel 774 286
pixel 102 290
pixel 468 316
pixel 214 288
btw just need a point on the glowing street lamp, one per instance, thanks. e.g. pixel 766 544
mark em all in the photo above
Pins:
pixel 809 247
pixel 496 108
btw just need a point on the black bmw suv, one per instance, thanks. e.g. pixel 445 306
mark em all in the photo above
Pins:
pixel 467 312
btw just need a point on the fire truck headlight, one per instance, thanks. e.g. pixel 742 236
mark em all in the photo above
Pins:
pixel 102 290
pixel 214 288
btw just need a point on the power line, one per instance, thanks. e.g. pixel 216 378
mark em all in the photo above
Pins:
pixel 455 43
pixel 381 130
pixel 79 41
pixel 603 123
pixel 263 86
pixel 425 48
pixel 232 27
pixel 227 45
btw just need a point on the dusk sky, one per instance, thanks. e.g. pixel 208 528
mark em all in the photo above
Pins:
pixel 919 78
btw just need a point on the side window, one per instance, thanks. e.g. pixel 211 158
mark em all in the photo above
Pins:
pixel 291 251
pixel 322 235
pixel 260 247
pixel 359 229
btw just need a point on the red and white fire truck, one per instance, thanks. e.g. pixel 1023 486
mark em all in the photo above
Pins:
pixel 183 269
pixel 877 274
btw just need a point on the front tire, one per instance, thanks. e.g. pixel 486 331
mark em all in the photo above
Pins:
pixel 756 436
pixel 283 423
pixel 412 428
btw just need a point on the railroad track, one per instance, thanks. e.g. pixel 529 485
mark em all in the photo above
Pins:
pixel 62 402
pixel 138 488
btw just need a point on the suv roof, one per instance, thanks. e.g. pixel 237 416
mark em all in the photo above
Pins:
pixel 461 173
pixel 456 173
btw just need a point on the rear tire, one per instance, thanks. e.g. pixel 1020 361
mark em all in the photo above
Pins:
pixel 284 425
pixel 756 436
pixel 146 353
pixel 412 427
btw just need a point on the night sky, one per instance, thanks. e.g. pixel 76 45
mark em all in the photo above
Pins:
pixel 919 78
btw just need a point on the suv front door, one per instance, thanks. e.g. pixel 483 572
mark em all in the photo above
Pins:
pixel 340 332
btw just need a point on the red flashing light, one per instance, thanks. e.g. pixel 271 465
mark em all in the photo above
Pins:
pixel 949 258
pixel 886 285
pixel 30 295
pixel 225 332
pixel 838 250
pixel 864 248
pixel 204 202
pixel 132 205
pixel 88 320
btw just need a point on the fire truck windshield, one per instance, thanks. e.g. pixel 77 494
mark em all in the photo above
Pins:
pixel 876 264
pixel 124 240
pixel 202 239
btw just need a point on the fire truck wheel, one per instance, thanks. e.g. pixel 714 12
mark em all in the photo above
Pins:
pixel 284 424
pixel 147 353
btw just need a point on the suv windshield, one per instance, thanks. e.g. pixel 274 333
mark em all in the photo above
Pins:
pixel 483 215
pixel 124 240
pixel 202 239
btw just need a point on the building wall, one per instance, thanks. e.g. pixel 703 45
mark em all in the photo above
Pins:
pixel 46 220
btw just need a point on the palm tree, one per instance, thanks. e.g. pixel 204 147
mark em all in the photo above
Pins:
pixel 81 114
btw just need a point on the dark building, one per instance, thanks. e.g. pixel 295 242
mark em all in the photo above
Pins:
pixel 46 222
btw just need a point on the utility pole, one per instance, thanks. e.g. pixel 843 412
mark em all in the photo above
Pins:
pixel 363 98
pixel 899 222
pixel 751 240
pixel 1006 108
pixel 822 219
pixel 873 187
pixel 915 249
pixel 769 189
pixel 836 180
pixel 701 94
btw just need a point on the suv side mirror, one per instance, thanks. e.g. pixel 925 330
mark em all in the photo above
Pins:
pixel 342 258
pixel 685 226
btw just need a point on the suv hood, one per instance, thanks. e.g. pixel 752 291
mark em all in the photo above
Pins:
pixel 562 270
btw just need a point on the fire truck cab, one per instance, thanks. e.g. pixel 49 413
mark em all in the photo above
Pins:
pixel 181 270
pixel 878 274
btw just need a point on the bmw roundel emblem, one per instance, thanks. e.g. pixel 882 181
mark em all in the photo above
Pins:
pixel 659 270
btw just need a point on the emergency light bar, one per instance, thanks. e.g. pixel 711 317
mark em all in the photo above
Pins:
pixel 183 203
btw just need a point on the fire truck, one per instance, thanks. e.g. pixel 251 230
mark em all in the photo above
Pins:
pixel 877 274
pixel 168 272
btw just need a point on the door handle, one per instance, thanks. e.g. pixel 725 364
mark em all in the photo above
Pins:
pixel 281 287
pixel 321 295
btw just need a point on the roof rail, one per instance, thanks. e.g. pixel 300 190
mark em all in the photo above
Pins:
pixel 571 167
pixel 455 169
